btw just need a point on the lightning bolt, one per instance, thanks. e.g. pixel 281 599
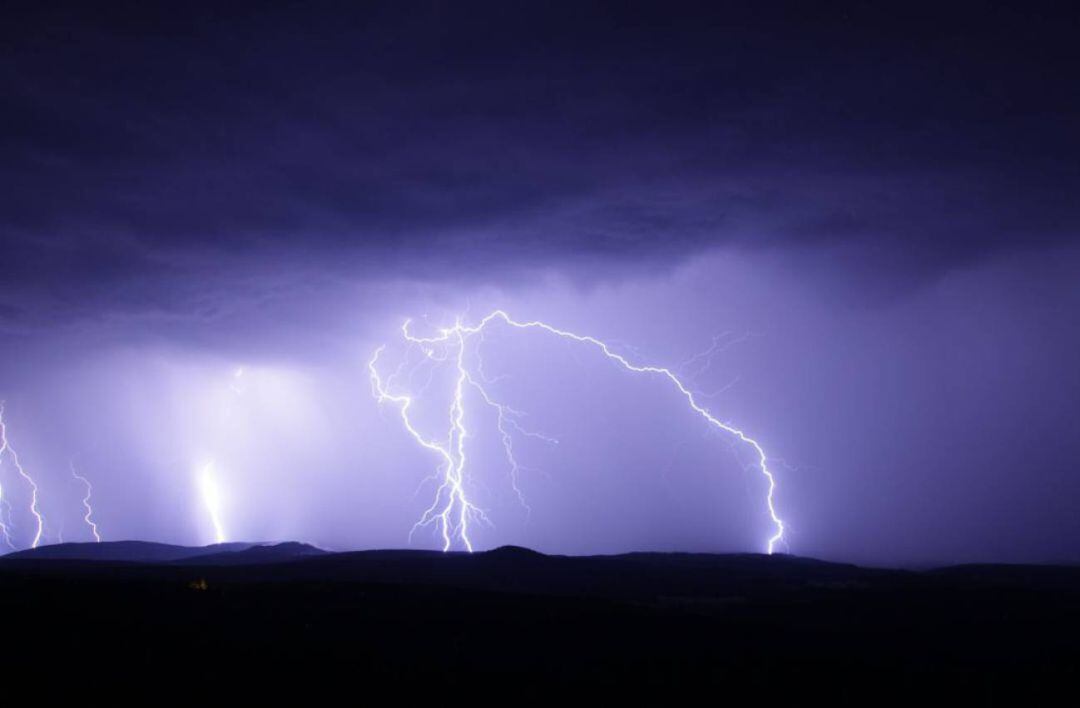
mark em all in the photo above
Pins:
pixel 208 488
pixel 5 521
pixel 206 477
pixel 506 421
pixel 86 502
pixel 5 446
pixel 452 511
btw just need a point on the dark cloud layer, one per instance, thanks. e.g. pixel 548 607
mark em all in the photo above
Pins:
pixel 146 144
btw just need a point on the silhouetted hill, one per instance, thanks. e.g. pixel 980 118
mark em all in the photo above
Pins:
pixel 255 554
pixel 626 576
pixel 516 569
pixel 750 628
pixel 127 551
pixel 146 552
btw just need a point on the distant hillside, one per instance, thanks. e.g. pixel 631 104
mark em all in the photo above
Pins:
pixel 129 551
pixel 255 554
pixel 261 617
pixel 672 577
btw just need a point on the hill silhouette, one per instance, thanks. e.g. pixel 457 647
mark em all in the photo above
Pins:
pixel 260 616
pixel 128 551
pixel 254 554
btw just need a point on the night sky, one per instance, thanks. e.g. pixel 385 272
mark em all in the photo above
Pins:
pixel 211 216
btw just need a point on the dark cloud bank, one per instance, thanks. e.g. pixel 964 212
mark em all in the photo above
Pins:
pixel 149 142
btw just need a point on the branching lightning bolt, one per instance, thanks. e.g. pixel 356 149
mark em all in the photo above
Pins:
pixel 86 503
pixel 452 511
pixel 5 447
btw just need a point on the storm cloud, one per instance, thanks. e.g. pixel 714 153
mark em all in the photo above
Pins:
pixel 156 143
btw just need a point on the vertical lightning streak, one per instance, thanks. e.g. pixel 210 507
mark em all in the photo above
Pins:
pixel 207 477
pixel 5 521
pixel 86 503
pixel 459 432
pixel 212 500
pixel 450 494
pixel 5 446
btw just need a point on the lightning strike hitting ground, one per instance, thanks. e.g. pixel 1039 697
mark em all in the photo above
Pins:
pixel 86 503
pixel 452 511
pixel 207 475
pixel 5 447
pixel 211 497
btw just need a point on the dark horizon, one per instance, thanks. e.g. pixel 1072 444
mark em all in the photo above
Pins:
pixel 282 552
pixel 850 231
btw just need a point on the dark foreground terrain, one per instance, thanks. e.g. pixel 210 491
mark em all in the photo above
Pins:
pixel 151 622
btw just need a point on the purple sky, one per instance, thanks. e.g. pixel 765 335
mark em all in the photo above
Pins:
pixel 876 212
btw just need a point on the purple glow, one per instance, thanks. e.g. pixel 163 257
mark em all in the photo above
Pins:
pixel 208 228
